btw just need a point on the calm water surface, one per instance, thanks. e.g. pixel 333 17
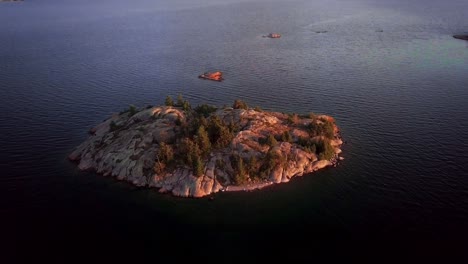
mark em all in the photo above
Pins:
pixel 389 71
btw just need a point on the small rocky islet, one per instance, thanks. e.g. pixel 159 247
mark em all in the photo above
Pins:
pixel 462 37
pixel 273 35
pixel 194 152
pixel 214 76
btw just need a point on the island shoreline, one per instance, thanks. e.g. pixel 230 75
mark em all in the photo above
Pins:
pixel 260 149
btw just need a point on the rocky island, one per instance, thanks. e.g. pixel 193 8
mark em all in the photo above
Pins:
pixel 273 35
pixel 214 76
pixel 463 37
pixel 193 152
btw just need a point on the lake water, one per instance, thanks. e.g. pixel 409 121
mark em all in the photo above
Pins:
pixel 389 71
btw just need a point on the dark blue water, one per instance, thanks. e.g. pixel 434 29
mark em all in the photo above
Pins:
pixel 389 71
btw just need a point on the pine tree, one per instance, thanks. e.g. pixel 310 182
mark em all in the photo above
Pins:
pixel 132 110
pixel 325 150
pixel 186 106
pixel 253 164
pixel 271 141
pixel 240 175
pixel 165 153
pixel 180 100
pixel 198 167
pixel 286 137
pixel 203 140
pixel 239 104
pixel 169 101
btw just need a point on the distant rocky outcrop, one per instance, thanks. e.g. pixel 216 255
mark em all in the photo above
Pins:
pixel 273 35
pixel 195 152
pixel 463 37
pixel 214 76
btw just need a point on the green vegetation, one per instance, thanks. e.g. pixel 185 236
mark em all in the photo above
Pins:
pixel 259 169
pixel 220 133
pixel 321 128
pixel 324 131
pixel 164 158
pixel 203 140
pixel 199 136
pixel 305 142
pixel 113 126
pixel 201 132
pixel 220 164
pixel 240 172
pixel 286 136
pixel 169 101
pixel 325 150
pixel 198 166
pixel 178 121
pixel 239 104
pixel 180 100
pixel 182 103
pixel 321 147
pixel 293 119
pixel 205 110
pixel 131 110
pixel 271 141
pixel 186 106
pixel 311 149
pixel 269 163
pixel 188 151
pixel 166 152
pixel 253 165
